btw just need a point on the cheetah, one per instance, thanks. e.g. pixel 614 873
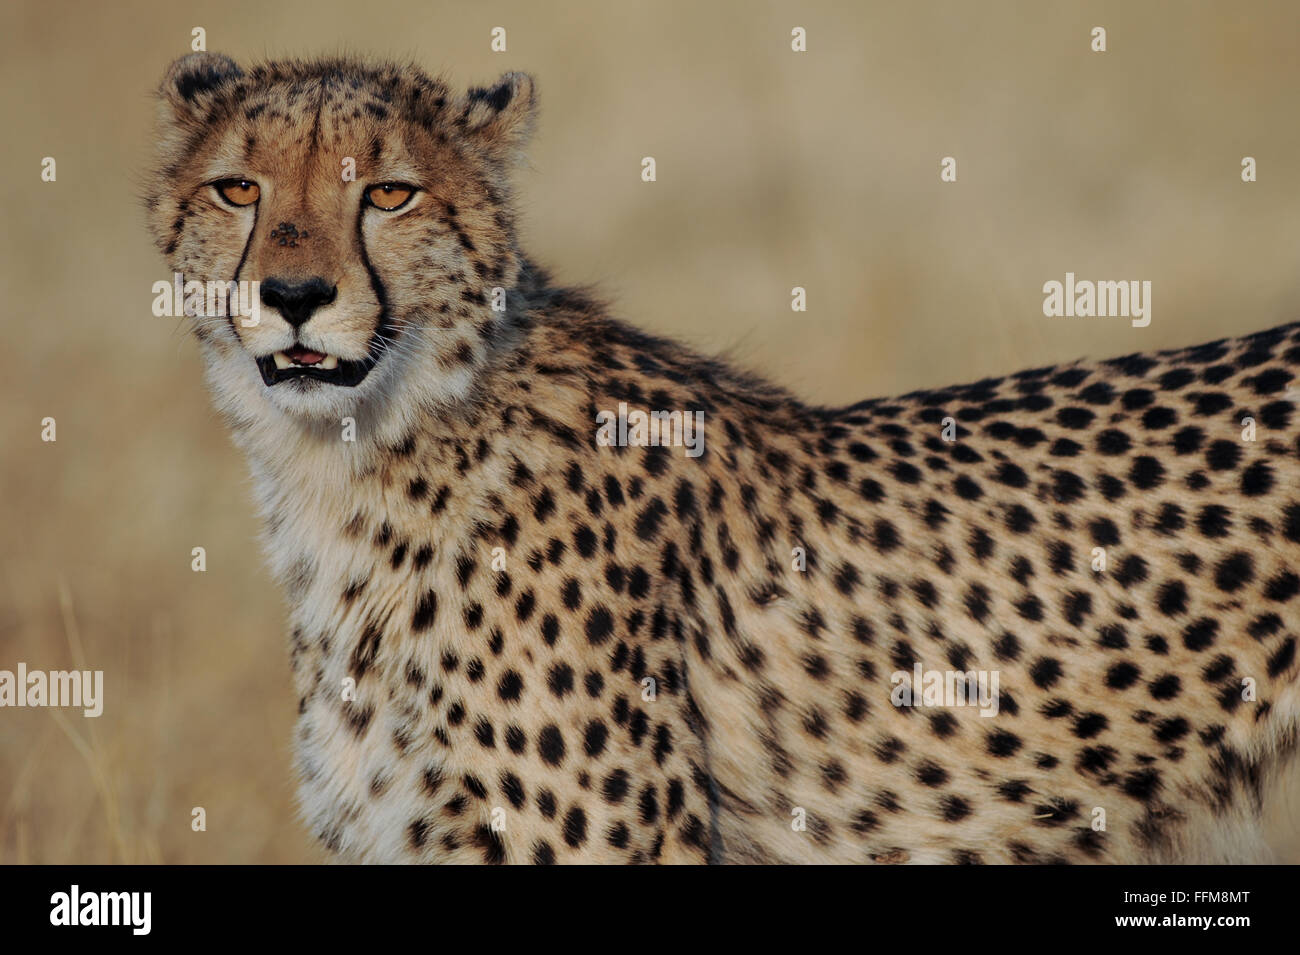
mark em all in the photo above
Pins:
pixel 514 642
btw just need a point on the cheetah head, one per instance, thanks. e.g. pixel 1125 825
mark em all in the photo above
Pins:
pixel 367 209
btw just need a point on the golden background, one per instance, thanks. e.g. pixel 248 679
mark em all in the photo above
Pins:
pixel 775 169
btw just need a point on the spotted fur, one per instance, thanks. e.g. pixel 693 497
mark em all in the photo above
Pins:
pixel 501 715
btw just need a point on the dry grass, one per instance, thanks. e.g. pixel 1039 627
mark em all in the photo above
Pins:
pixel 774 170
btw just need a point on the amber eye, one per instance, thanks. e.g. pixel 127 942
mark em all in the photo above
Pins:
pixel 390 195
pixel 238 192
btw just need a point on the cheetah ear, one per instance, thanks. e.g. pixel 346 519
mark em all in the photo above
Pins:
pixel 192 79
pixel 501 118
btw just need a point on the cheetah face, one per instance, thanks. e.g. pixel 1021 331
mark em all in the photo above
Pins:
pixel 365 208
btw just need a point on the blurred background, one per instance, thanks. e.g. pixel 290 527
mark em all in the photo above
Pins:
pixel 775 169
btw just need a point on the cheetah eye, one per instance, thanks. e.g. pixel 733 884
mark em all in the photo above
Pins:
pixel 390 196
pixel 238 192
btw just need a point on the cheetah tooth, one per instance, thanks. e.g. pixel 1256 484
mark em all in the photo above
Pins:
pixel 282 360
pixel 329 362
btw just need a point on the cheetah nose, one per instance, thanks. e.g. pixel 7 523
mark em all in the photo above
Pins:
pixel 296 301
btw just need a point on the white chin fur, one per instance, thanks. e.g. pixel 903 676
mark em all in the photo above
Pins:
pixel 390 400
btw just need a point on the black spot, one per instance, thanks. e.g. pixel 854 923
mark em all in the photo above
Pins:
pixel 1282 658
pixel 1270 381
pixel 585 541
pixel 1223 455
pixel 1211 403
pixel 560 679
pixel 1002 743
pixel 1282 587
pixel 1217 669
pixel 1045 672
pixel 1234 571
pixel 1095 759
pixel 905 473
pixel 967 489
pixel 1200 633
pixel 1076 606
pixel 1146 473
pixel 1213 521
pixel 954 808
pixel 1011 475
pixel 524 606
pixel 511 686
pixel 1067 487
pixel 550 745
pixel 425 611
pixel 1098 393
pixel 417 832
pixel 1014 790
pixel 1132 570
pixel 593 743
pixel 1030 608
pixel 600 624
pixel 1142 784
pixel 943 725
pixel 1113 442
pixel 367 649
pixel 618 835
pixel 931 774
pixel 1113 637
pixel 846 579
pixel 1007 647
pixel 871 490
pixel 648 805
pixel 615 786
pixel 575 827
pixel 1121 676
pixel 550 629
pixel 543 854
pixel 647 524
pixel 1074 418
pixel 1171 598
pixel 886 536
pixel 1276 415
pixel 1020 520
pixel 1159 417
pixel 1257 479
pixel 1104 532
pixel 1169 520
pixel 1166 687
pixel 1188 440
pixel 1089 725
pixel 1112 488
pixel 515 739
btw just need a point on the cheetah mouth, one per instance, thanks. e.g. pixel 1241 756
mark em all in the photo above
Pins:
pixel 299 362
